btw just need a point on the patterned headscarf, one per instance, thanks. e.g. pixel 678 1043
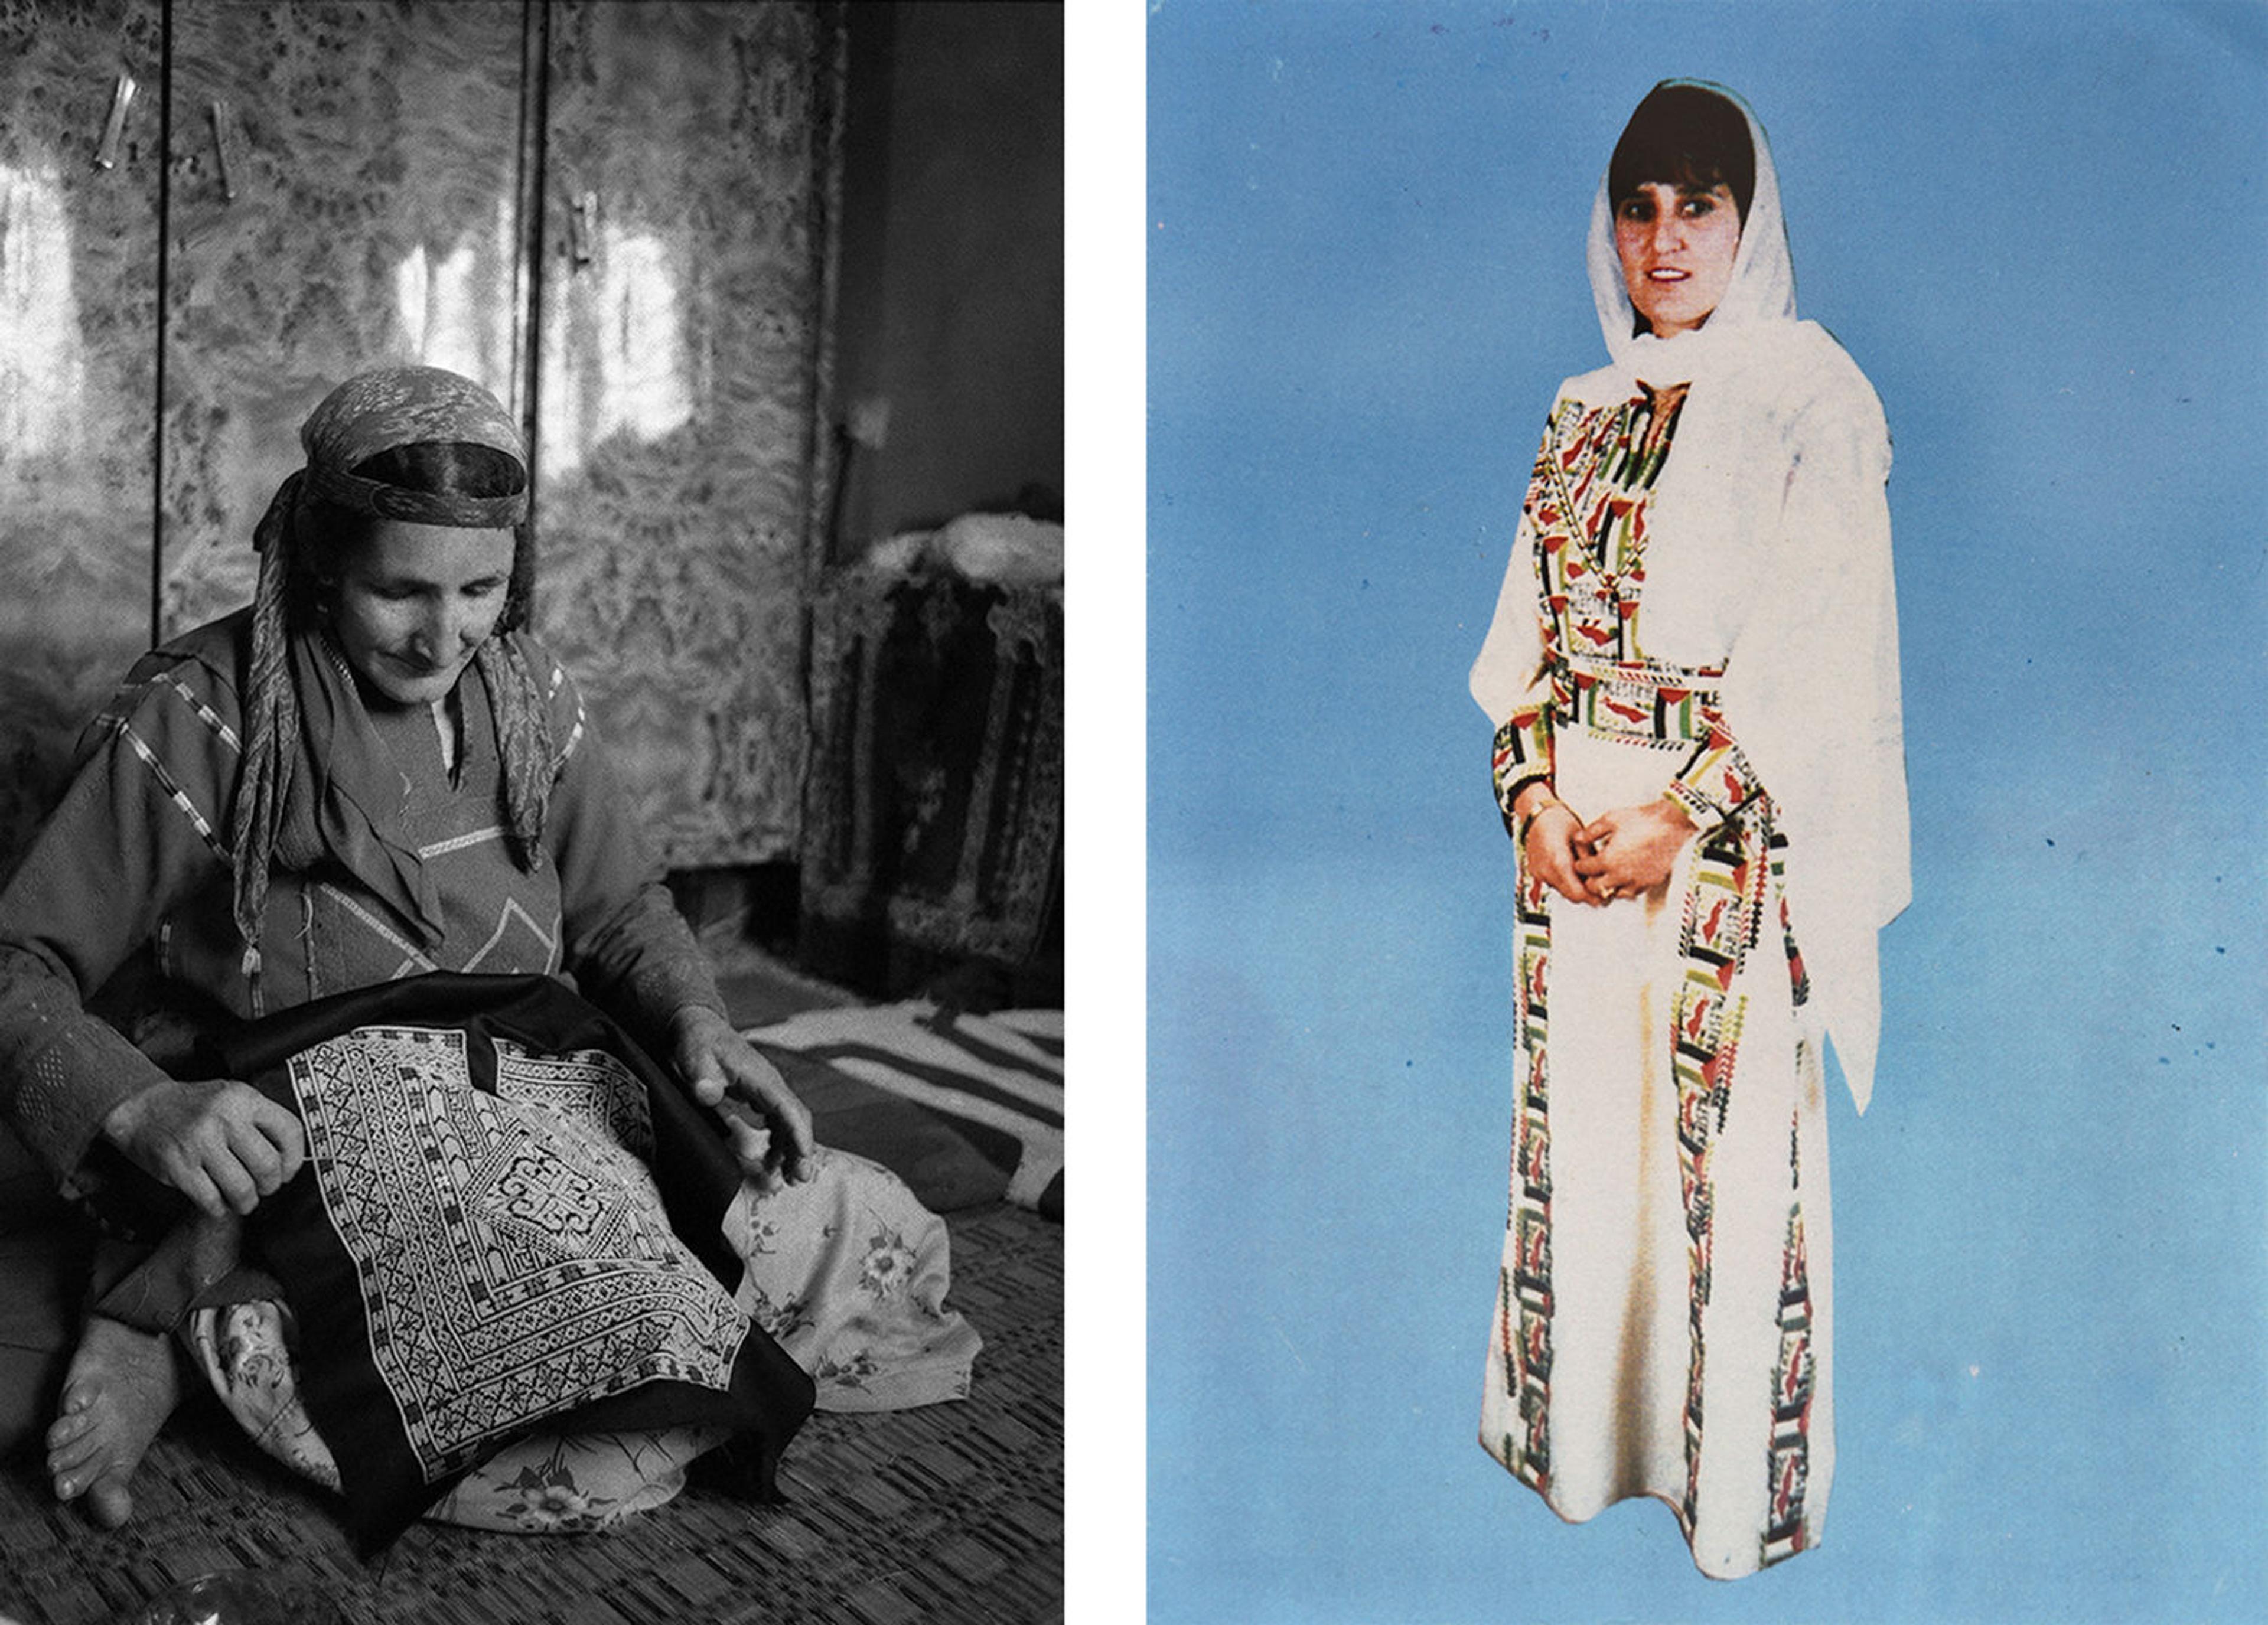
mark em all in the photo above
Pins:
pixel 305 733
pixel 375 412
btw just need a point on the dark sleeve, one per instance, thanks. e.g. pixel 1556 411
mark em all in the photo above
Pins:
pixel 142 826
pixel 629 948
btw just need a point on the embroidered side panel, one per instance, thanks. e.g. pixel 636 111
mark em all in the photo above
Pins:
pixel 1524 1293
pixel 1723 909
pixel 1799 982
pixel 1790 1464
pixel 513 1256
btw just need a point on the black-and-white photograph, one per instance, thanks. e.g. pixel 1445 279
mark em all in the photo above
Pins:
pixel 532 699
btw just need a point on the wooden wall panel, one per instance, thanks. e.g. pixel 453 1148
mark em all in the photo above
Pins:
pixel 378 216
pixel 79 284
pixel 682 353
pixel 369 195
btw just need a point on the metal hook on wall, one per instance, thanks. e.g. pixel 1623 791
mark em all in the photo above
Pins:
pixel 582 228
pixel 114 130
pixel 227 145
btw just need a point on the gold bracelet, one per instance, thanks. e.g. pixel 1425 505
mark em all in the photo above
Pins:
pixel 1527 818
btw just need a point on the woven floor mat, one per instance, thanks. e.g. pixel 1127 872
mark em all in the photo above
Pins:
pixel 953 1513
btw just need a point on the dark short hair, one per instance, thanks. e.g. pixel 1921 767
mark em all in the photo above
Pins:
pixel 451 467
pixel 1684 136
pixel 457 467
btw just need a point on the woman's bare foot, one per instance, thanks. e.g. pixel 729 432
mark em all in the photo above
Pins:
pixel 121 1388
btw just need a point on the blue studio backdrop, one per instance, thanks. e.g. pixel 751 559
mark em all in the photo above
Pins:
pixel 2043 231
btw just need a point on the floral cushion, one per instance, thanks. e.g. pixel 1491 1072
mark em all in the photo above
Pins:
pixel 848 1271
pixel 546 1484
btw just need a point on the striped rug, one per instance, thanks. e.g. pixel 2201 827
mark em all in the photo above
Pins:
pixel 997 1076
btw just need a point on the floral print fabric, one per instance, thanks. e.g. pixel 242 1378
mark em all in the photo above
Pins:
pixel 848 1272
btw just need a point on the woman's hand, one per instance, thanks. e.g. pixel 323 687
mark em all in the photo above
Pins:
pixel 715 1061
pixel 1554 845
pixel 1631 850
pixel 223 1144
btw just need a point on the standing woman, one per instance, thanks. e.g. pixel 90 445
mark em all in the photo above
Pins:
pixel 1693 676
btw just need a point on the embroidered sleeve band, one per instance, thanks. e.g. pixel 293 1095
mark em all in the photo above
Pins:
pixel 1522 757
pixel 1716 781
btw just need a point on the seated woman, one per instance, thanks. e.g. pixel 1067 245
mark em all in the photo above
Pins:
pixel 371 772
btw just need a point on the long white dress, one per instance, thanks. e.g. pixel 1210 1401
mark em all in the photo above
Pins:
pixel 1698 605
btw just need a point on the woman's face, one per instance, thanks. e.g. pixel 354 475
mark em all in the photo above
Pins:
pixel 411 604
pixel 1677 246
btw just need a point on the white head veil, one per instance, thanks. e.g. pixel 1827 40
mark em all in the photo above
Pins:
pixel 1762 290
pixel 1776 488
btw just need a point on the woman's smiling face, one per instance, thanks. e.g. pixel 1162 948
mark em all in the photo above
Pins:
pixel 413 602
pixel 1678 245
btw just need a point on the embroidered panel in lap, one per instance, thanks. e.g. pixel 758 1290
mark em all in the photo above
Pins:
pixel 512 1254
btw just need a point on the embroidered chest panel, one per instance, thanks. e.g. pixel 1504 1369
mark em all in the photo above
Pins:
pixel 1588 504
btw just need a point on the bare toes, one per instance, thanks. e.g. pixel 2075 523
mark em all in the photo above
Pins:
pixel 71 1428
pixel 121 1387
pixel 61 1462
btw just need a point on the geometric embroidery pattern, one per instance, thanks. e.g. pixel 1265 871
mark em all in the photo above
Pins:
pixel 592 1093
pixel 1790 1456
pixel 512 1254
pixel 1587 509
pixel 1799 982
pixel 1588 505
pixel 1723 907
pixel 1522 755
pixel 1645 701
pixel 1524 1288
pixel 1586 512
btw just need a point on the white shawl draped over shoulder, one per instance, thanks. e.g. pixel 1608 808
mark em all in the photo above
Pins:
pixel 1772 556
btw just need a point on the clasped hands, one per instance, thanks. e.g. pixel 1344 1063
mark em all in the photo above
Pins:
pixel 1618 854
pixel 227 1147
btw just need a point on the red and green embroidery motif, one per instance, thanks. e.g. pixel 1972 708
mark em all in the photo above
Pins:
pixel 1798 981
pixel 1588 505
pixel 1522 755
pixel 1588 511
pixel 1789 1462
pixel 1716 781
pixel 1524 1291
pixel 1724 910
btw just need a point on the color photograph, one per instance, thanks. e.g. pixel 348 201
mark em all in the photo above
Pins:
pixel 1706 596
